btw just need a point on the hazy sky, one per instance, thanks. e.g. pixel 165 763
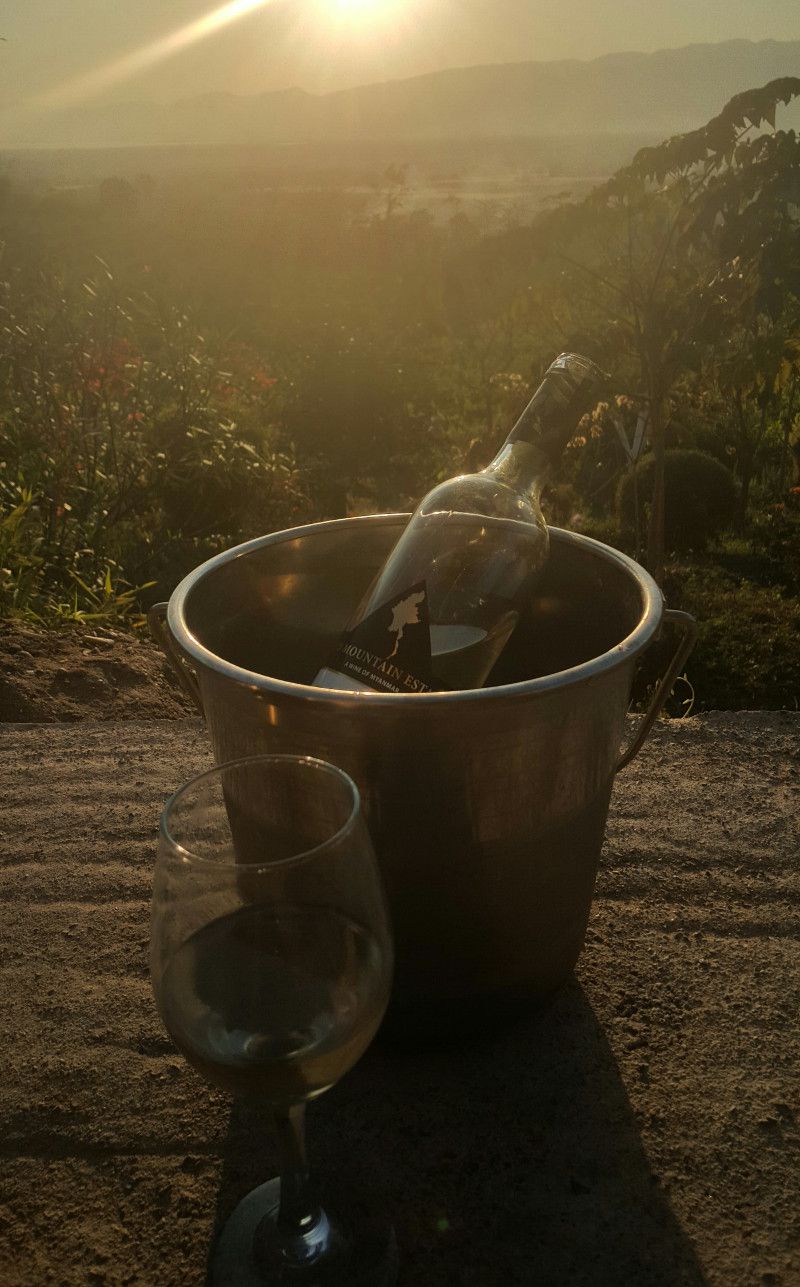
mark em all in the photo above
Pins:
pixel 328 44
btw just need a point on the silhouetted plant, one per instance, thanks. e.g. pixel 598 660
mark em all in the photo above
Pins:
pixel 701 497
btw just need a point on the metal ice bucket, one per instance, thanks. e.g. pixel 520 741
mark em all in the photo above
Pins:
pixel 487 808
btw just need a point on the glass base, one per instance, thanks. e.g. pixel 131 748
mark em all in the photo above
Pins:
pixel 365 1253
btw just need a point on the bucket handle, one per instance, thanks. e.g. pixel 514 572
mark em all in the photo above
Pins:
pixel 159 629
pixel 686 628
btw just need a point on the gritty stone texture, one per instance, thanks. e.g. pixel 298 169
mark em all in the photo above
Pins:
pixel 641 1129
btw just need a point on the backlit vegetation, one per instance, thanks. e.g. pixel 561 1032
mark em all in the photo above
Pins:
pixel 187 364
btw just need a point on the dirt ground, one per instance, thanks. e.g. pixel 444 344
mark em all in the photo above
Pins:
pixel 79 673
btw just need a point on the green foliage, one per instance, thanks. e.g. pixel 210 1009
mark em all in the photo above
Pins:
pixel 747 654
pixel 20 561
pixel 363 418
pixel 701 497
pixel 692 249
pixel 29 592
pixel 714 144
pixel 127 448
pixel 775 537
pixel 264 356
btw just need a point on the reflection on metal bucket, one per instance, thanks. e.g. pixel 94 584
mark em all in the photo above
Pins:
pixel 487 808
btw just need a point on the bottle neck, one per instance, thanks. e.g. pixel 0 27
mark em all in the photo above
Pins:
pixel 569 389
pixel 533 448
pixel 521 465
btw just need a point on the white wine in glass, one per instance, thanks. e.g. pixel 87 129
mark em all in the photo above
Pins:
pixel 271 962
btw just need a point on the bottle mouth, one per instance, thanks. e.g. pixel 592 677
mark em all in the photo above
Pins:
pixel 582 365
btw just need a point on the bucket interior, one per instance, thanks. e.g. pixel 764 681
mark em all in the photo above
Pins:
pixel 280 608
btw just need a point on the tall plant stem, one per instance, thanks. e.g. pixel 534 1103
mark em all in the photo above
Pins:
pixel 655 535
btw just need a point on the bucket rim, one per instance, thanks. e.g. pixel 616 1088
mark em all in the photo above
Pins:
pixel 626 650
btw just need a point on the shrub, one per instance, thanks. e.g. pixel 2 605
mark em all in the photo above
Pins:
pixel 775 538
pixel 746 656
pixel 700 498
pixel 130 448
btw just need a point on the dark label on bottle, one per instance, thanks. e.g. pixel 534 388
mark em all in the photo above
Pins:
pixel 390 650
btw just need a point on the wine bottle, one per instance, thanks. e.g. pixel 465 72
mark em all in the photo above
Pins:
pixel 445 602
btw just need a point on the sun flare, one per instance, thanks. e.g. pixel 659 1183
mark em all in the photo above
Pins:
pixel 129 65
pixel 358 7
pixel 360 14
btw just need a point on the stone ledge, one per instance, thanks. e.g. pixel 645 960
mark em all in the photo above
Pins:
pixel 639 1130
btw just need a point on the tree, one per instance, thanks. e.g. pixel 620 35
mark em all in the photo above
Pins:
pixel 675 250
pixel 755 370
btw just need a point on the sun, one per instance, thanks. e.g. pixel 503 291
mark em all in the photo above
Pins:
pixel 360 24
pixel 358 8
pixel 361 13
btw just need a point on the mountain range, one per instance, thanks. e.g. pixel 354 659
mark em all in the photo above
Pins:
pixel 654 94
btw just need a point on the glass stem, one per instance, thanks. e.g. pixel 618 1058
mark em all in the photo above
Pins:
pixel 303 1231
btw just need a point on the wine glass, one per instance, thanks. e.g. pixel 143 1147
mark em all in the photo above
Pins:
pixel 271 962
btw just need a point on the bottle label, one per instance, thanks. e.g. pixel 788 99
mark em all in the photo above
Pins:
pixel 390 650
